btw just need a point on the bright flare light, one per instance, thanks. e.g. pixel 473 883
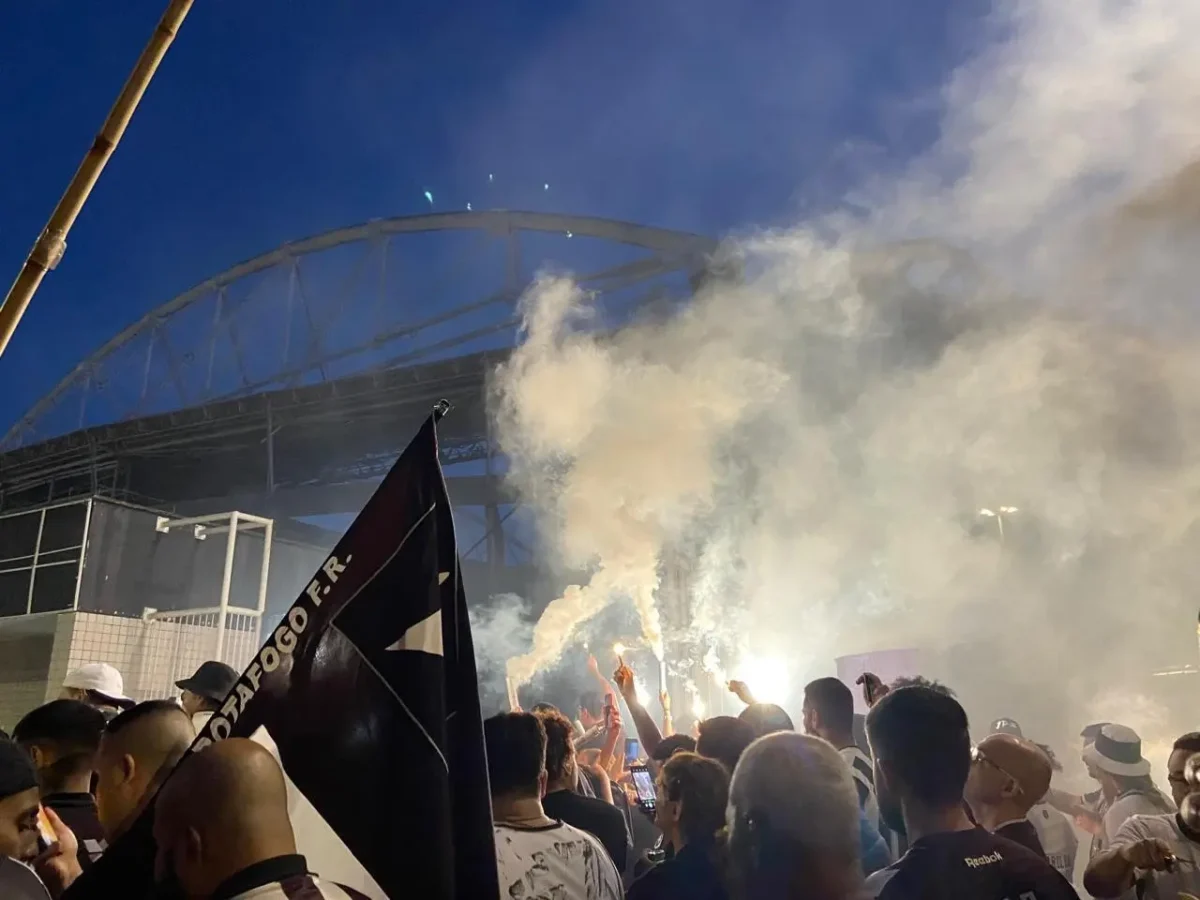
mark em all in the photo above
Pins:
pixel 767 678
pixel 696 701
pixel 619 649
pixel 639 688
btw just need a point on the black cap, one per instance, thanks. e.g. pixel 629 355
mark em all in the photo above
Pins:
pixel 1006 726
pixel 17 773
pixel 213 681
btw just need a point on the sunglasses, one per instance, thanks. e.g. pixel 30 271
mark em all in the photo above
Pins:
pixel 978 756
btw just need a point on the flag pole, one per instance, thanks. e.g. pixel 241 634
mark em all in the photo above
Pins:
pixel 52 242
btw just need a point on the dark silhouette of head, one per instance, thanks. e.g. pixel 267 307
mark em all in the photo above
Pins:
pixel 18 802
pixel 62 737
pixel 766 718
pixel 922 747
pixel 724 739
pixel 829 711
pixel 516 755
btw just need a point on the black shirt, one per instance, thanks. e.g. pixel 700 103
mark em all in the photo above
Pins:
pixel 969 864
pixel 1022 832
pixel 691 875
pixel 125 870
pixel 594 816
pixel 78 812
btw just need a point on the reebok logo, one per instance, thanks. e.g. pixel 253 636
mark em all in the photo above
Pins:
pixel 976 861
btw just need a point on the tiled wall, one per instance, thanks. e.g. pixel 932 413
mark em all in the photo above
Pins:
pixel 151 656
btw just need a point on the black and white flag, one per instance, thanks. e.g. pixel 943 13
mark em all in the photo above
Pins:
pixel 367 687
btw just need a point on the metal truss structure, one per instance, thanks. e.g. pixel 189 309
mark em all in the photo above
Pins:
pixel 286 385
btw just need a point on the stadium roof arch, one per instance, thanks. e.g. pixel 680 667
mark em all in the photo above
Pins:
pixel 290 381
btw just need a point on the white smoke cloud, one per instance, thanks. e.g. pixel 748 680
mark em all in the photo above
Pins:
pixel 820 434
pixel 499 631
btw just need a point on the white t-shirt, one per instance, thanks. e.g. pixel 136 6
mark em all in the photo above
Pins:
pixel 1058 838
pixel 1185 880
pixel 863 773
pixel 558 861
pixel 1133 804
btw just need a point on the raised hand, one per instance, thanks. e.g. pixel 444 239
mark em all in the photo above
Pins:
pixel 58 866
pixel 1150 854
pixel 741 690
pixel 872 687
pixel 623 679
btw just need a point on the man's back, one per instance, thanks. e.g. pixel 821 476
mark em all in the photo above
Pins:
pixel 595 817
pixel 975 864
pixel 556 860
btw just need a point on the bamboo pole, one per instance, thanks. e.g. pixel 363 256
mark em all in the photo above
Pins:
pixel 52 242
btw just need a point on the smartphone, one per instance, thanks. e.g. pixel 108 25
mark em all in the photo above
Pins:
pixel 643 784
pixel 633 749
pixel 46 836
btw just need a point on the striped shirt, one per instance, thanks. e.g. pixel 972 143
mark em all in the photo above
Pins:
pixel 863 773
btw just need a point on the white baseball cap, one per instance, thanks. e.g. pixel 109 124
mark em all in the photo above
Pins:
pixel 101 678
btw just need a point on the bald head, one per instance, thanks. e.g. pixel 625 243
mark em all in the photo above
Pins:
pixel 1008 776
pixel 793 811
pixel 136 751
pixel 226 785
pixel 224 809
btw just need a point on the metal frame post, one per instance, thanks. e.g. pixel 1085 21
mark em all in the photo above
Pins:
pixel 264 574
pixel 83 546
pixel 37 549
pixel 226 582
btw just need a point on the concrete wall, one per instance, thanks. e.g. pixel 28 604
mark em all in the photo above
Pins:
pixel 24 663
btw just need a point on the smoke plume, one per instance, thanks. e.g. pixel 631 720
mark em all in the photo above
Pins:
pixel 961 413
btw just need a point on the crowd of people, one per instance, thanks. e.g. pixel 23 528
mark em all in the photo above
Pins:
pixel 899 804
pixel 903 804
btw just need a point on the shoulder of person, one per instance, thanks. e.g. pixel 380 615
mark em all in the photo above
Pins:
pixel 1142 827
pixel 648 882
pixel 19 882
pixel 1036 868
pixel 580 834
pixel 604 808
pixel 1126 807
pixel 882 884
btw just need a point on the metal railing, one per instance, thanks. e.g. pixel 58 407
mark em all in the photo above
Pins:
pixel 176 642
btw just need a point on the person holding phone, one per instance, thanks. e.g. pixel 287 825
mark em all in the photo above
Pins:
pixel 691 796
pixel 30 835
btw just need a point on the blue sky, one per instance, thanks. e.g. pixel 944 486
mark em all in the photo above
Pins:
pixel 275 119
